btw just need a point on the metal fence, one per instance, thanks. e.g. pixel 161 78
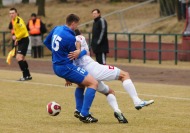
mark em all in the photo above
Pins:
pixel 140 45
pixel 133 46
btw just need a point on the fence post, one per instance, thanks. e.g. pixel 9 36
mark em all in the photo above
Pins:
pixel 144 48
pixel 115 46
pixel 176 50
pixel 160 49
pixel 129 47
pixel 4 47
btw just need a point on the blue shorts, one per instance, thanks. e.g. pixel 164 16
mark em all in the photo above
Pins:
pixel 70 72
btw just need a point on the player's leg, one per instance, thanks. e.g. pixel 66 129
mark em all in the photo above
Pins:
pixel 108 73
pixel 88 98
pixel 110 95
pixel 39 46
pixel 21 53
pixel 130 88
pixel 79 97
pixel 89 95
pixel 78 75
pixel 33 46
pixel 102 88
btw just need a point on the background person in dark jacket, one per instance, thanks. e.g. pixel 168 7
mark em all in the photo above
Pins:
pixel 36 29
pixel 99 42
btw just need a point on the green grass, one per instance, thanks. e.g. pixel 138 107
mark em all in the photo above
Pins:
pixel 23 107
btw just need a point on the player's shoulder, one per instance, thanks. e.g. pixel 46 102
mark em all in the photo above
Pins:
pixel 19 20
pixel 80 38
pixel 57 27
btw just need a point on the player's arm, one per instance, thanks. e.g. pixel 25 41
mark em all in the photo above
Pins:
pixel 68 83
pixel 78 47
pixel 10 26
pixel 77 53
pixel 103 27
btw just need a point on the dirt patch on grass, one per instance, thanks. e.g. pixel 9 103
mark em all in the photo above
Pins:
pixel 138 73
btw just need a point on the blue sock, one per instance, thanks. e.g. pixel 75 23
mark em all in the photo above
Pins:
pixel 79 97
pixel 88 99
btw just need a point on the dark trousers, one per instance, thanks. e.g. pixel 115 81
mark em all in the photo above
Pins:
pixel 101 58
pixel 37 51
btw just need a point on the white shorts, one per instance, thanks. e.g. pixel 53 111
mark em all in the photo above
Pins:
pixel 102 72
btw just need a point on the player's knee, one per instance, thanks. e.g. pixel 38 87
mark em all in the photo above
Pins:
pixel 111 92
pixel 19 57
pixel 95 83
pixel 80 86
pixel 124 75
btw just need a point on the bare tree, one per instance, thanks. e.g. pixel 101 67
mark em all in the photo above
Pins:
pixel 167 7
pixel 1 3
pixel 25 1
pixel 63 0
pixel 115 0
pixel 37 2
pixel 41 8
pixel 178 10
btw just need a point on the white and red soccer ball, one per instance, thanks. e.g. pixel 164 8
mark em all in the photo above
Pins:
pixel 53 108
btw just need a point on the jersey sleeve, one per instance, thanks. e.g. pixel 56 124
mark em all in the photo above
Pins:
pixel 82 40
pixel 78 39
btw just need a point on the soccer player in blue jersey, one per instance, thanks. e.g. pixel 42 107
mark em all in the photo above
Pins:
pixel 61 41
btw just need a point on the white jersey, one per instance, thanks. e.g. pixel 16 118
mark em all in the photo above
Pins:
pixel 86 59
pixel 98 71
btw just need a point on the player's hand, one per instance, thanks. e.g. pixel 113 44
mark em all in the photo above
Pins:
pixel 14 37
pixel 68 83
pixel 74 55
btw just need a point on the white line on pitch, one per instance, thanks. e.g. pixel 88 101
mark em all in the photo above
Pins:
pixel 176 98
pixel 45 84
pixel 34 83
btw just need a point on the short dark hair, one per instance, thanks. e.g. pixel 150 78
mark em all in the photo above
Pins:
pixel 96 10
pixel 33 15
pixel 13 9
pixel 77 32
pixel 72 18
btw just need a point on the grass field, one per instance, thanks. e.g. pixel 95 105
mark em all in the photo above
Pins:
pixel 23 107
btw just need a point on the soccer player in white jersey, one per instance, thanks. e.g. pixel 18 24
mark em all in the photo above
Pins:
pixel 102 87
pixel 107 73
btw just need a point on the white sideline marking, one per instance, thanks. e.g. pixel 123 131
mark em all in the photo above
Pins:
pixel 45 84
pixel 34 83
pixel 176 98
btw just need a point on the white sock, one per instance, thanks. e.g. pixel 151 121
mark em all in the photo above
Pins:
pixel 130 88
pixel 113 102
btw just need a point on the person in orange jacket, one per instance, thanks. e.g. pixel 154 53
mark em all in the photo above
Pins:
pixel 36 29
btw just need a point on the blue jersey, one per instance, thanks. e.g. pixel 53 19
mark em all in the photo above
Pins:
pixel 61 40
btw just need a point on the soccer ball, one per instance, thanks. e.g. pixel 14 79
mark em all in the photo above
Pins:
pixel 53 108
